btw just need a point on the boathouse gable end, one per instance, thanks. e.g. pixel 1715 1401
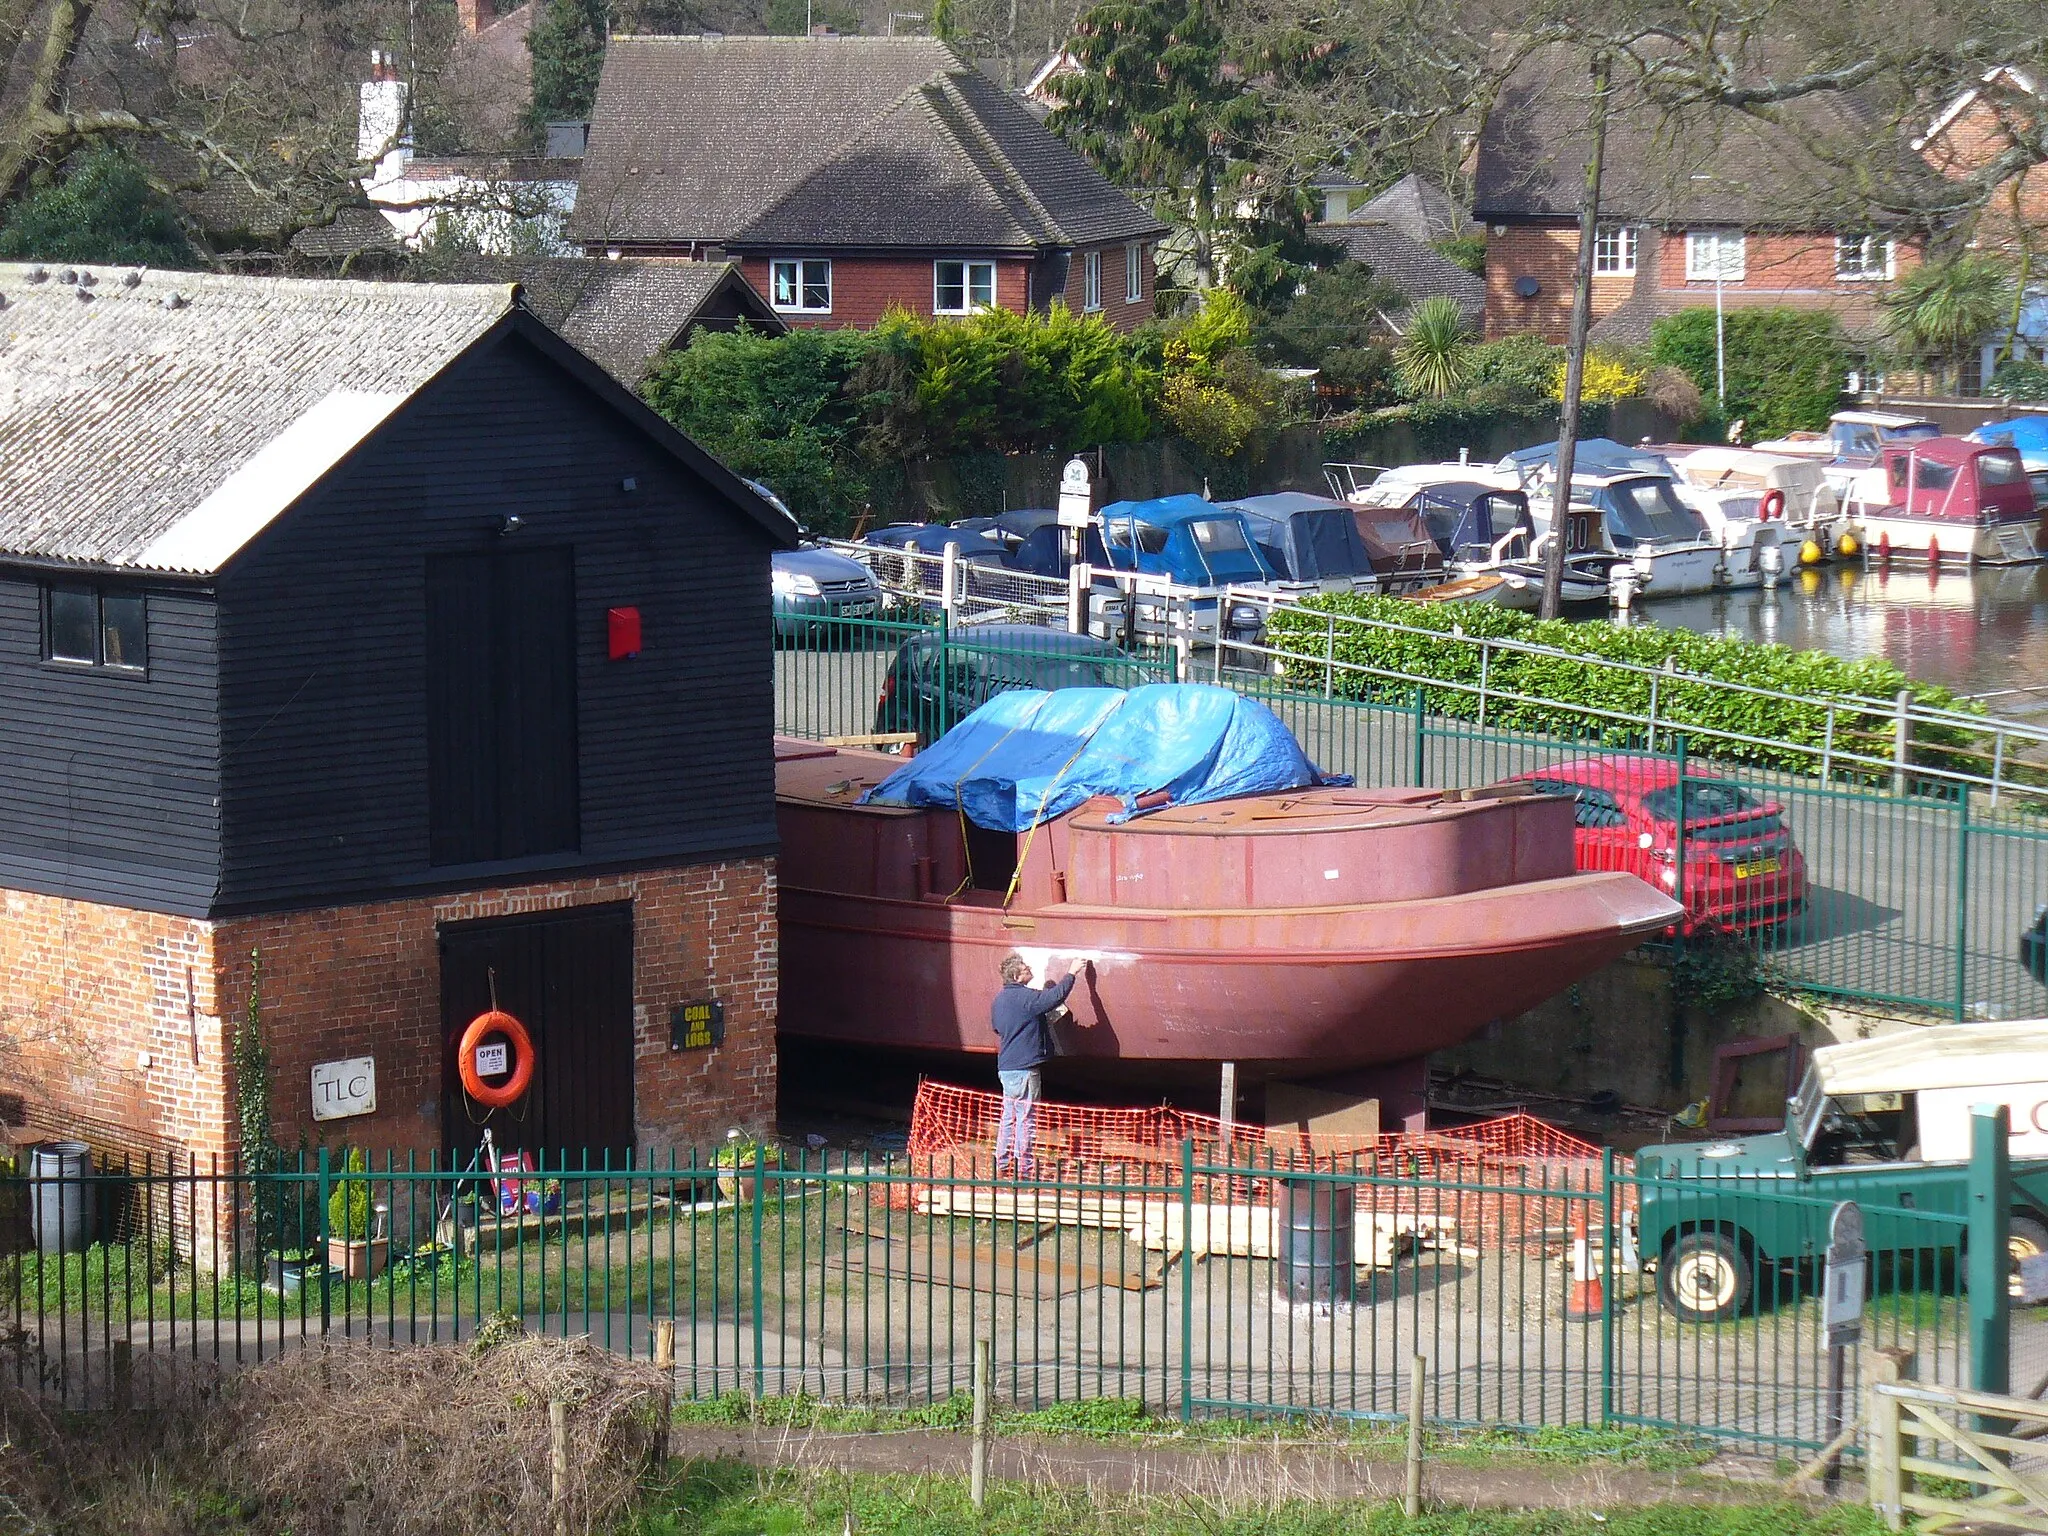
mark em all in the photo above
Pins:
pixel 335 693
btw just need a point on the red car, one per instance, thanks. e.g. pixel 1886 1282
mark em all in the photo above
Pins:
pixel 1742 869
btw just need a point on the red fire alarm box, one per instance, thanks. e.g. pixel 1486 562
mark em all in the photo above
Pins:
pixel 622 632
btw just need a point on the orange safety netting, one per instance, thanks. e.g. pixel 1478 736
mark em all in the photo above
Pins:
pixel 1502 1182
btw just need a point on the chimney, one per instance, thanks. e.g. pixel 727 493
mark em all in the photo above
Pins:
pixel 381 125
pixel 475 15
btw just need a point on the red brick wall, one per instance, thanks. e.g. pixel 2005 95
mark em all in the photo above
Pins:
pixel 1796 270
pixel 1115 309
pixel 88 988
pixel 109 1021
pixel 865 286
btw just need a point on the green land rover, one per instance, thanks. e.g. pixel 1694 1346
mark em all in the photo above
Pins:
pixel 1883 1122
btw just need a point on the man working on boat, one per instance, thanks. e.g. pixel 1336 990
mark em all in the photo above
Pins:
pixel 1025 1044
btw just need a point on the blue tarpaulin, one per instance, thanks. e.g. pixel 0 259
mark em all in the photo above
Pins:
pixel 1027 756
pixel 2029 434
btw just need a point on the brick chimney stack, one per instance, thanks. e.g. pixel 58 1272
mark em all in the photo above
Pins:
pixel 475 15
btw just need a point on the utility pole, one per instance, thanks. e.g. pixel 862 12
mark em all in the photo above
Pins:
pixel 1575 348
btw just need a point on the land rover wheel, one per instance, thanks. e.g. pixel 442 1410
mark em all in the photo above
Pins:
pixel 1704 1278
pixel 2026 1237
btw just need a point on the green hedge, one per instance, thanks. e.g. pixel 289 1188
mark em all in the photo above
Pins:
pixel 1557 682
pixel 1786 367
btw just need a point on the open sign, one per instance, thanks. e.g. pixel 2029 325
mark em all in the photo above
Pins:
pixel 494 1059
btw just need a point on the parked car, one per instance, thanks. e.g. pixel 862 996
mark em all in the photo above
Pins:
pixel 1742 869
pixel 935 682
pixel 813 587
pixel 1883 1122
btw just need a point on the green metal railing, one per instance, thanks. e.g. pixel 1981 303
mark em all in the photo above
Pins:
pixel 1919 891
pixel 1193 1282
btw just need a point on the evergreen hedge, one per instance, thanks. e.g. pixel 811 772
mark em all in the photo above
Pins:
pixel 1790 732
pixel 1786 367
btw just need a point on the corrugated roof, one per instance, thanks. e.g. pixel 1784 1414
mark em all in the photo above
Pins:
pixel 161 423
pixel 1697 165
pixel 1415 269
pixel 830 141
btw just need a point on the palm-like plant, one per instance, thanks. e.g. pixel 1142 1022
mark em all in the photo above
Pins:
pixel 1944 309
pixel 1435 357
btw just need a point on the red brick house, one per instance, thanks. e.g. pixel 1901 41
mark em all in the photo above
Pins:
pixel 1705 203
pixel 850 174
pixel 369 634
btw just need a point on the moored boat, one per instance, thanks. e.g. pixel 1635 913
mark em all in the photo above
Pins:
pixel 1295 926
pixel 1947 498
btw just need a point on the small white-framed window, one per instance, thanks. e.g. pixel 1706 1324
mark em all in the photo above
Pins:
pixel 1712 254
pixel 1134 274
pixel 1614 250
pixel 801 285
pixel 1863 258
pixel 962 287
pixel 1091 280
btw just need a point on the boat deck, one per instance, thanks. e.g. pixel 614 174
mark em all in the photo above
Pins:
pixel 808 773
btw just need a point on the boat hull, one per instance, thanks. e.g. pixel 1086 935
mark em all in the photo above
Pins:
pixel 1917 538
pixel 1306 991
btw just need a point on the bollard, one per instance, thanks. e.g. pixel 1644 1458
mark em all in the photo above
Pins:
pixel 665 1400
pixel 984 1368
pixel 1411 1503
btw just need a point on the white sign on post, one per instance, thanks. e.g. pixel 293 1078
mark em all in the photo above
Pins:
pixel 344 1088
pixel 1077 497
pixel 493 1059
pixel 1847 1276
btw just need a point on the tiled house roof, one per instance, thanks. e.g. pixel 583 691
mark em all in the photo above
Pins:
pixel 1412 267
pixel 1419 209
pixel 845 142
pixel 1691 166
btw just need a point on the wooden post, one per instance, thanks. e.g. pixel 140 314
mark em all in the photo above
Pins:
pixel 1886 1448
pixel 558 1463
pixel 1411 1503
pixel 984 1369
pixel 665 1399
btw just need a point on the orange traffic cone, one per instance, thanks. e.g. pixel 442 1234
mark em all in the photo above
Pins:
pixel 1587 1298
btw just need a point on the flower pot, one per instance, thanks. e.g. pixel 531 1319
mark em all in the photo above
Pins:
pixel 738 1186
pixel 360 1260
pixel 286 1277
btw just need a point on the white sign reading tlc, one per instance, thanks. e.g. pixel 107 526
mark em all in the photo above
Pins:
pixel 344 1088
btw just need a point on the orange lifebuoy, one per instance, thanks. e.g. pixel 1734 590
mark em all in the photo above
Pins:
pixel 1774 505
pixel 493 1022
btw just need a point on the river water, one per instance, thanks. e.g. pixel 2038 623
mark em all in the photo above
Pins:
pixel 1983 633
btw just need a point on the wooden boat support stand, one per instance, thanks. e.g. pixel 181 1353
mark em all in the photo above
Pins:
pixel 1337 934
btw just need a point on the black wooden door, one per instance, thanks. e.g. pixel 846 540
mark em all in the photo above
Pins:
pixel 501 705
pixel 568 977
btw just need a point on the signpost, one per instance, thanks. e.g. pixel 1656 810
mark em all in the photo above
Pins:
pixel 1846 1282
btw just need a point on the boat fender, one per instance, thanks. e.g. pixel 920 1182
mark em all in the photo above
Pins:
pixel 1773 505
pixel 494 1022
pixel 1934 551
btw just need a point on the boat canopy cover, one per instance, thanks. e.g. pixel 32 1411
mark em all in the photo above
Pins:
pixel 1028 756
pixel 1592 456
pixel 2029 434
pixel 1304 537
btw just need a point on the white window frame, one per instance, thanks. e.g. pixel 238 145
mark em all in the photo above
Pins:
pixel 1700 267
pixel 801 283
pixel 1134 273
pixel 1091 280
pixel 1614 250
pixel 1861 248
pixel 968 305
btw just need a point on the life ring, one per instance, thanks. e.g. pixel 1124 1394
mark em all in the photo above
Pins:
pixel 1774 505
pixel 493 1022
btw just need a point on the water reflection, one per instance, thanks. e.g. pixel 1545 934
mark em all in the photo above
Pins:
pixel 1978 632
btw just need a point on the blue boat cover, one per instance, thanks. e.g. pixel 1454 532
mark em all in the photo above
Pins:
pixel 1027 756
pixel 1591 456
pixel 2029 434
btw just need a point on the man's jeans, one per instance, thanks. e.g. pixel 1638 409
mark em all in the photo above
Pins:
pixel 1013 1133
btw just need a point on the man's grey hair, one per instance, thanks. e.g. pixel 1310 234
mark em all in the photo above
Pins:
pixel 1014 970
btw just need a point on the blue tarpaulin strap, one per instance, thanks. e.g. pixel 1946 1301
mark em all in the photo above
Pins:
pixel 1027 756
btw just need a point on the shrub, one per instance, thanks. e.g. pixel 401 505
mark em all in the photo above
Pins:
pixel 1467 251
pixel 1513 371
pixel 1362 376
pixel 348 1207
pixel 2017 380
pixel 1786 367
pixel 1794 728
pixel 1673 392
pixel 1435 355
pixel 104 210
pixel 1608 376
pixel 1337 310
pixel 1224 410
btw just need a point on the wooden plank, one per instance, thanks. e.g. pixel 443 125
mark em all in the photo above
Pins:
pixel 969 1266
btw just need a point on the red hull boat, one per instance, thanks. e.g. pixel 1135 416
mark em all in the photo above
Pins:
pixel 1306 933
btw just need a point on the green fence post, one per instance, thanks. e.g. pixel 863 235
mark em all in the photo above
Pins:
pixel 1990 1205
pixel 1421 747
pixel 326 1188
pixel 1187 1279
pixel 760 1201
pixel 1611 1283
pixel 1962 902
pixel 945 676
